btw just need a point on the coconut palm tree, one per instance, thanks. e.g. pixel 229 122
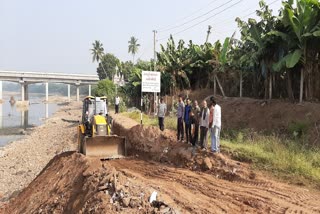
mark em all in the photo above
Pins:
pixel 97 52
pixel 133 47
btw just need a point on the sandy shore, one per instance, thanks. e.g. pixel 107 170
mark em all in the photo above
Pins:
pixel 21 161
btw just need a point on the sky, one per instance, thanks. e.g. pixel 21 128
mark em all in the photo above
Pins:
pixel 56 36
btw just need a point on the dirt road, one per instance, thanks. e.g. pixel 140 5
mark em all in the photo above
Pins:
pixel 198 192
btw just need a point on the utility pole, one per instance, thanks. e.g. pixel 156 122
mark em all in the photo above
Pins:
pixel 154 68
pixel 208 33
pixel 154 49
pixel 214 76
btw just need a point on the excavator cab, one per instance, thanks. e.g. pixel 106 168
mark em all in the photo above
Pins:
pixel 94 131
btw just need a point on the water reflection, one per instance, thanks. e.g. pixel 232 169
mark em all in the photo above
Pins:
pixel 24 115
pixel 1 107
pixel 47 110
pixel 15 116
pixel 25 119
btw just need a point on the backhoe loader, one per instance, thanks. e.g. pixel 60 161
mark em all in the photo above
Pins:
pixel 94 131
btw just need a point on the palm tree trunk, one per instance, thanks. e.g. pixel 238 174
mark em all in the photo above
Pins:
pixel 316 87
pixel 301 85
pixel 270 86
pixel 241 83
pixel 214 85
pixel 221 89
pixel 104 70
pixel 289 85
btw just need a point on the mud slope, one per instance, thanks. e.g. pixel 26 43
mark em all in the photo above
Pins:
pixel 72 183
pixel 267 116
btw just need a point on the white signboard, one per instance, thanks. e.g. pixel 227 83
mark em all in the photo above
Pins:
pixel 151 81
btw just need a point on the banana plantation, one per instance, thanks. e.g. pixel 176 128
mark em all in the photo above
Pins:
pixel 276 56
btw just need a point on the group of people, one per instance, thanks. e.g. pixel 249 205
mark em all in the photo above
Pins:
pixel 192 119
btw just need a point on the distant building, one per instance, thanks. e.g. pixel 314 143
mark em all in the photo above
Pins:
pixel 118 80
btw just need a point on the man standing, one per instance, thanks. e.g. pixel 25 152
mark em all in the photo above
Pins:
pixel 162 109
pixel 117 102
pixel 180 114
pixel 196 112
pixel 187 121
pixel 216 126
pixel 204 124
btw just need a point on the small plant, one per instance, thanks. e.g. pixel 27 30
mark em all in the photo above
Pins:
pixel 298 129
pixel 122 107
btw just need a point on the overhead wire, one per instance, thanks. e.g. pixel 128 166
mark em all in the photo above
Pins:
pixel 198 17
pixel 187 16
pixel 206 19
pixel 242 17
pixel 145 50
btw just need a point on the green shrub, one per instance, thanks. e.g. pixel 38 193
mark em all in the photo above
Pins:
pixel 298 129
pixel 122 107
pixel 105 88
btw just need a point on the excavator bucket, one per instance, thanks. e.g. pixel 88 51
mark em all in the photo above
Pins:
pixel 104 147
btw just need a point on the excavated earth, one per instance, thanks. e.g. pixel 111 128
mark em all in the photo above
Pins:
pixel 186 180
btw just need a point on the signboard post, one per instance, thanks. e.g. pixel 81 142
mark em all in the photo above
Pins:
pixel 151 82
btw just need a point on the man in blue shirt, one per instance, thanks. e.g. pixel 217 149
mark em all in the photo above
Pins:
pixel 187 121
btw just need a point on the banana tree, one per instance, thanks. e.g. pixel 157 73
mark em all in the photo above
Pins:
pixel 200 67
pixel 221 59
pixel 303 26
pixel 261 47
pixel 173 59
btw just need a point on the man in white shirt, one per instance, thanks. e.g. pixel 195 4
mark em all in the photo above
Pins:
pixel 215 127
pixel 117 102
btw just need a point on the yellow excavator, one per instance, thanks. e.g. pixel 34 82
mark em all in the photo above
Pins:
pixel 94 131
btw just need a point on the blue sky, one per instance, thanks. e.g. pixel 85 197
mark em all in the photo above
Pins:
pixel 56 36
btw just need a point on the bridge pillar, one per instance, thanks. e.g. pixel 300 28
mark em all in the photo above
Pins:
pixel 69 92
pixel 22 91
pixel 89 90
pixel 1 114
pixel 78 93
pixel 47 91
pixel 26 92
pixel 0 90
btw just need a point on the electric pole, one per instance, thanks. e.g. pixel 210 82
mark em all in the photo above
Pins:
pixel 154 68
pixel 154 49
pixel 208 33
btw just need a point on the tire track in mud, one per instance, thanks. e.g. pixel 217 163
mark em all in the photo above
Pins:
pixel 199 192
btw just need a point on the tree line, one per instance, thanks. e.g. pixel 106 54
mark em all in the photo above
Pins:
pixel 277 56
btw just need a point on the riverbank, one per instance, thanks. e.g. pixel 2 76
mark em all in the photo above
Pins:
pixel 22 160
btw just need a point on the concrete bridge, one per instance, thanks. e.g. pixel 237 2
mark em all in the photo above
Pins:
pixel 27 78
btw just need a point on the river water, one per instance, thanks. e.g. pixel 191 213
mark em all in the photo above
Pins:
pixel 13 119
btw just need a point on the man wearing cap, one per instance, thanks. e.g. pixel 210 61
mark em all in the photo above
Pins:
pixel 215 127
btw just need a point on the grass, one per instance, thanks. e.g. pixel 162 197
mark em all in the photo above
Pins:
pixel 169 122
pixel 285 158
